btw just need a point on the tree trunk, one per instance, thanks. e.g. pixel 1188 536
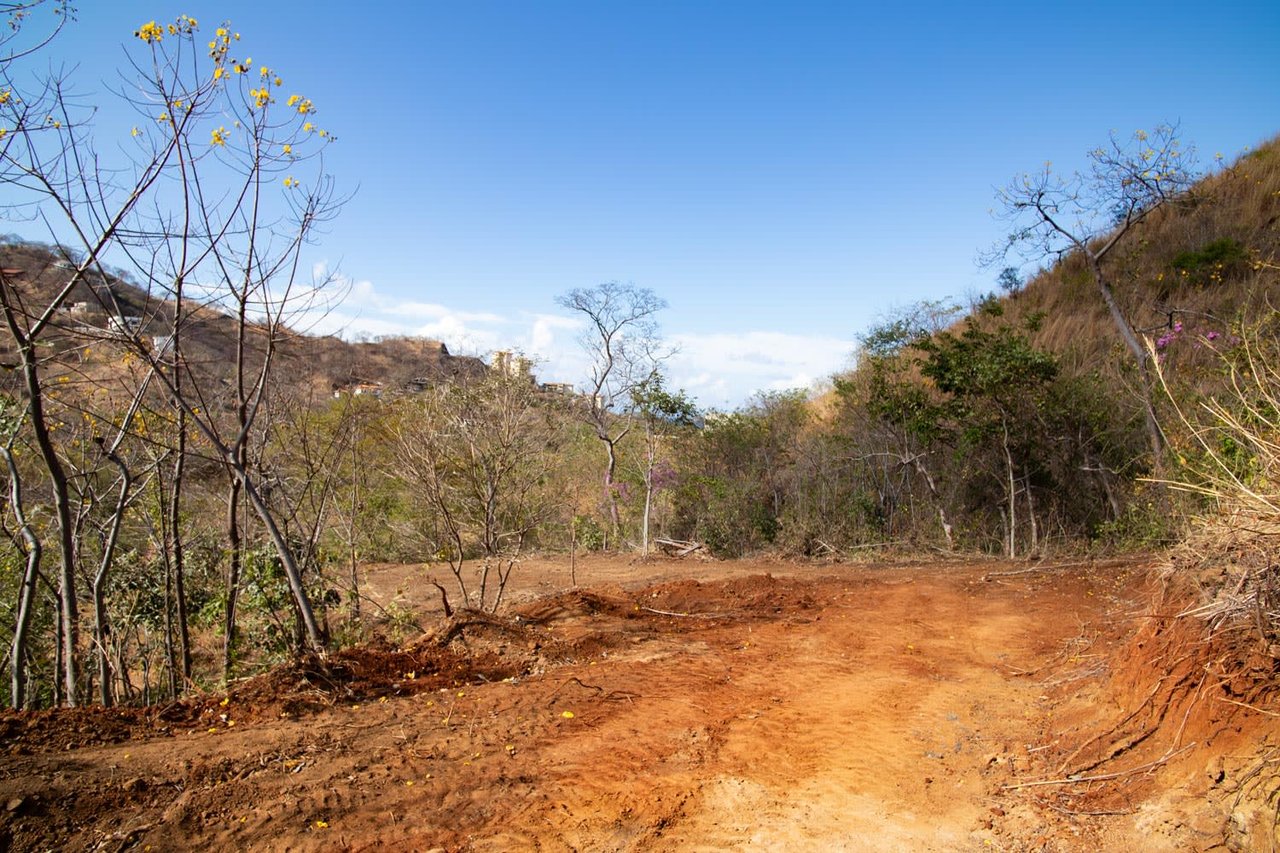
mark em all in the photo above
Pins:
pixel 101 624
pixel 355 506
pixel 235 557
pixel 1013 494
pixel 611 498
pixel 67 605
pixel 947 530
pixel 177 547
pixel 1155 435
pixel 648 495
pixel 314 636
pixel 27 594
pixel 1031 511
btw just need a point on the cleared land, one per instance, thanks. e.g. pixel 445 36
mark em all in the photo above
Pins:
pixel 683 706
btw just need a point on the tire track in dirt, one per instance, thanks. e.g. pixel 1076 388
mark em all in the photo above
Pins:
pixel 862 712
pixel 828 730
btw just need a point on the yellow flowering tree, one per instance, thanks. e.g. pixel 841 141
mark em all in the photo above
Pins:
pixel 223 184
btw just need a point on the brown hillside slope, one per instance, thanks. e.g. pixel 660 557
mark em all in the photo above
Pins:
pixel 319 364
pixel 1200 260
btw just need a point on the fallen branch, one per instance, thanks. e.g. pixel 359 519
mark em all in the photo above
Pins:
pixel 459 623
pixel 1072 813
pixel 1250 707
pixel 688 615
pixel 677 548
pixel 1032 570
pixel 1102 777
pixel 600 691
pixel 444 599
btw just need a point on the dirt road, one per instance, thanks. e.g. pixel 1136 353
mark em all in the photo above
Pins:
pixel 786 708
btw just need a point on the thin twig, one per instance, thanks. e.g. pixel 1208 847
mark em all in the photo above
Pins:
pixel 1103 776
pixel 1250 707
pixel 689 615
pixel 1071 813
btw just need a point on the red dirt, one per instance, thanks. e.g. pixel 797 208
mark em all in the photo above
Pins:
pixel 724 706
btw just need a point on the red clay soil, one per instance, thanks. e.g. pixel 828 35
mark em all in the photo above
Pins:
pixel 740 706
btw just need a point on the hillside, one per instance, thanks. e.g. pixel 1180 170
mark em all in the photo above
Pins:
pixel 96 309
pixel 1205 261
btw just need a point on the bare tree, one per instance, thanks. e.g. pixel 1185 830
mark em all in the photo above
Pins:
pixel 224 187
pixel 481 452
pixel 1092 212
pixel 621 339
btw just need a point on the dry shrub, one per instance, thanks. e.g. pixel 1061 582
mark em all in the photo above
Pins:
pixel 1231 458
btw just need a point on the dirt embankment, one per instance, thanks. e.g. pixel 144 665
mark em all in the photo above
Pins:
pixel 945 707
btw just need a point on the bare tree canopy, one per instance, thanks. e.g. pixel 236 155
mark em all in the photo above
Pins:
pixel 622 341
pixel 621 337
pixel 1055 214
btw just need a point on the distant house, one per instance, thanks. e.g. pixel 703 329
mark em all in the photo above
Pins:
pixel 512 364
pixel 359 389
pixel 124 324
pixel 564 389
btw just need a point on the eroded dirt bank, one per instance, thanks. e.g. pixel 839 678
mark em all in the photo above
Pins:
pixel 864 709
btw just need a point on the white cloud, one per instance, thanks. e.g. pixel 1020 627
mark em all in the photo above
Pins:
pixel 724 370
pixel 720 370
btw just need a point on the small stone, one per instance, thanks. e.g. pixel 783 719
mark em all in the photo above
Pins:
pixel 135 784
pixel 14 804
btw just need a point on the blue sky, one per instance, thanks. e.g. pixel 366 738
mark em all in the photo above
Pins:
pixel 781 173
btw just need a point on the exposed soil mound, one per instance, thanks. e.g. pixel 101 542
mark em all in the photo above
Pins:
pixel 1174 714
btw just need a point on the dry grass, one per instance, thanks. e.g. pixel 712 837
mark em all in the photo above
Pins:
pixel 1240 204
pixel 1231 458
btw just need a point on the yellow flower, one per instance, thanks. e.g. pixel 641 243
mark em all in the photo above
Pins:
pixel 322 824
pixel 4 131
pixel 308 127
pixel 150 31
pixel 219 73
pixel 5 95
pixel 293 100
pixel 568 715
pixel 220 32
pixel 219 136
pixel 290 183
pixel 288 149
